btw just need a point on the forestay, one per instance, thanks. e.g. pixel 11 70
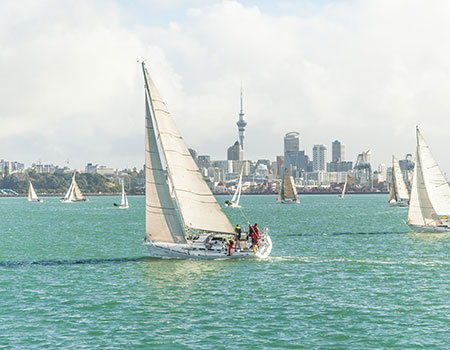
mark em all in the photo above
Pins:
pixel 196 203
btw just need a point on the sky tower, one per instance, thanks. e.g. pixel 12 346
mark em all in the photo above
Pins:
pixel 241 123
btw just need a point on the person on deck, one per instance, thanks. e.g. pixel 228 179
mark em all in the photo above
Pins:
pixel 230 246
pixel 252 235
pixel 255 235
pixel 238 236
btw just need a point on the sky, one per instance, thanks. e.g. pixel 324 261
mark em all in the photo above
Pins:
pixel 360 71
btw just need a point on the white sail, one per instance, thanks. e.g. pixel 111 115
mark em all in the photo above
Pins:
pixel 162 221
pixel 69 193
pixel 400 188
pixel 197 205
pixel 287 189
pixel 345 187
pixel 32 196
pixel 73 193
pixel 124 201
pixel 237 193
pixel 430 193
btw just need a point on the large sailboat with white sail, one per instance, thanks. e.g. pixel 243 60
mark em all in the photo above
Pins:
pixel 192 225
pixel 429 208
pixel 32 196
pixel 234 203
pixel 287 193
pixel 73 193
pixel 398 192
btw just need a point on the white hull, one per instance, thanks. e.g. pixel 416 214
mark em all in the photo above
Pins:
pixel 436 229
pixel 399 204
pixel 288 201
pixel 194 250
pixel 36 200
pixel 70 201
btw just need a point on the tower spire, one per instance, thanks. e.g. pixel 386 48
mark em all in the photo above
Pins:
pixel 241 123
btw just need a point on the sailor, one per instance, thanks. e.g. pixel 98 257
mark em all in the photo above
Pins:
pixel 252 235
pixel 230 243
pixel 238 236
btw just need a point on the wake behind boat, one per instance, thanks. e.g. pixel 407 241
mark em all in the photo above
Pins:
pixel 429 208
pixel 73 193
pixel 193 225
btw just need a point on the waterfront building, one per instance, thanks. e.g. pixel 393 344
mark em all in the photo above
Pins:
pixel 291 148
pixel 337 151
pixel 204 161
pixel 319 158
pixel 235 152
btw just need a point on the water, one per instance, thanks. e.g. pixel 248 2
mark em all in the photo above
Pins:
pixel 343 274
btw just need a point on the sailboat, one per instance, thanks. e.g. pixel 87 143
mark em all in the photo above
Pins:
pixel 32 196
pixel 287 194
pixel 73 193
pixel 124 203
pixel 234 203
pixel 429 208
pixel 193 225
pixel 349 181
pixel 398 192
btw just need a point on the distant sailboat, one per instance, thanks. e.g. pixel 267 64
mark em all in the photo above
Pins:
pixel 429 208
pixel 398 192
pixel 234 203
pixel 73 194
pixel 193 225
pixel 32 196
pixel 287 193
pixel 124 203
pixel 349 181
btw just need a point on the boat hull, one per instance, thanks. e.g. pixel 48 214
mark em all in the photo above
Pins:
pixel 399 204
pixel 431 229
pixel 199 251
pixel 69 201
pixel 287 201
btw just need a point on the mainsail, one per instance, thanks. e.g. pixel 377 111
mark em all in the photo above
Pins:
pixel 237 193
pixel 287 188
pixel 398 186
pixel 32 196
pixel 197 205
pixel 430 194
pixel 73 193
pixel 124 202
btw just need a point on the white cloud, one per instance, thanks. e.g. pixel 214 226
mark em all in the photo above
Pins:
pixel 362 72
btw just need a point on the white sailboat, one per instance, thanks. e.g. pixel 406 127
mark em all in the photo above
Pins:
pixel 349 181
pixel 124 202
pixel 429 208
pixel 287 193
pixel 398 192
pixel 32 196
pixel 234 203
pixel 193 225
pixel 73 193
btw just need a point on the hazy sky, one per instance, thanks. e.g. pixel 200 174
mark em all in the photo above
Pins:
pixel 363 72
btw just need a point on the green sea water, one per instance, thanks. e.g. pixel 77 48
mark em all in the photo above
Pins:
pixel 343 274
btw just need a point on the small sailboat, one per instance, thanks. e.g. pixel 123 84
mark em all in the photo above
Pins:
pixel 32 196
pixel 398 192
pixel 287 193
pixel 193 225
pixel 349 181
pixel 73 193
pixel 124 203
pixel 429 208
pixel 234 203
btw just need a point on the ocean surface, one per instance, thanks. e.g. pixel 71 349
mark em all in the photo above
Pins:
pixel 343 274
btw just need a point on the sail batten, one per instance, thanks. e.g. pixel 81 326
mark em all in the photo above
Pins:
pixel 197 205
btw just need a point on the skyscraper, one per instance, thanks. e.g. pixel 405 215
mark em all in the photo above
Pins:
pixel 235 152
pixel 241 123
pixel 337 152
pixel 319 158
pixel 291 148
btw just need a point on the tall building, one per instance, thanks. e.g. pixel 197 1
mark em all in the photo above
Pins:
pixel 291 148
pixel 241 123
pixel 235 152
pixel 320 158
pixel 337 151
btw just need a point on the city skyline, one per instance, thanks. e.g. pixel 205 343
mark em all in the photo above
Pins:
pixel 361 72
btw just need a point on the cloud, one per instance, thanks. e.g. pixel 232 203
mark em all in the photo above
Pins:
pixel 362 72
